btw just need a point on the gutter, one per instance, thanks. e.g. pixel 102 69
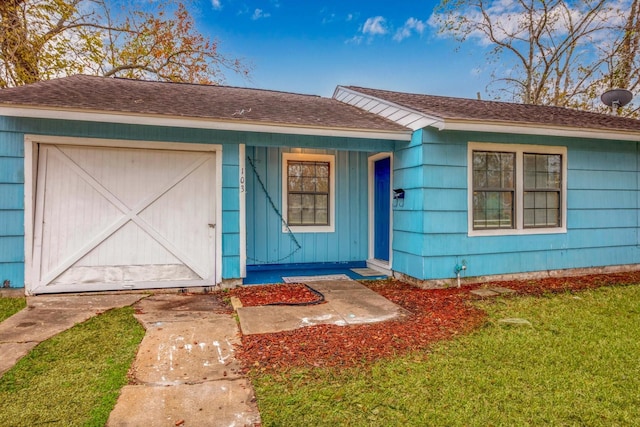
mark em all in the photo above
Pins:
pixel 201 123
pixel 529 129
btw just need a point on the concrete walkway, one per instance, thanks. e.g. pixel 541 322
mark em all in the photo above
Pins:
pixel 347 303
pixel 46 316
pixel 185 372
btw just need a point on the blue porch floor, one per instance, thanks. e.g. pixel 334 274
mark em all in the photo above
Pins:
pixel 273 273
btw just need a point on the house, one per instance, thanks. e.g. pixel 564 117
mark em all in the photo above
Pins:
pixel 110 184
pixel 498 190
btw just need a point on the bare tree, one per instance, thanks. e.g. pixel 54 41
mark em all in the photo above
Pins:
pixel 552 52
pixel 42 39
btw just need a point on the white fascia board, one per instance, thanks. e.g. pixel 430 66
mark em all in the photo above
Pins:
pixel 527 129
pixel 198 123
pixel 387 109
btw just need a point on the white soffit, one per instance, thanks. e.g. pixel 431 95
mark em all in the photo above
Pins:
pixel 403 116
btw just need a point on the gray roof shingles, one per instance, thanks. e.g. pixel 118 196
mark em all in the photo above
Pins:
pixel 449 108
pixel 218 103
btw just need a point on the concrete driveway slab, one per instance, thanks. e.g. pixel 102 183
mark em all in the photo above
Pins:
pixel 12 352
pixel 46 316
pixel 188 352
pixel 185 372
pixel 220 403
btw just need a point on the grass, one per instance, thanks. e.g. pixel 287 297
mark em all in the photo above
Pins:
pixel 10 306
pixel 576 364
pixel 74 378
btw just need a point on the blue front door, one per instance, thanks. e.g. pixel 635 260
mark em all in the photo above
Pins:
pixel 382 208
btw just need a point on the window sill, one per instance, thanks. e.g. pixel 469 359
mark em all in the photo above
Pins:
pixel 310 229
pixel 517 232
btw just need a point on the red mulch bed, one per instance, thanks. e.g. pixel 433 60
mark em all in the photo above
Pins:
pixel 436 314
pixel 293 293
pixel 565 284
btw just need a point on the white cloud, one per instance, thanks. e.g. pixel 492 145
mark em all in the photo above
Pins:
pixel 349 17
pixel 329 19
pixel 375 26
pixel 412 25
pixel 216 4
pixel 354 40
pixel 259 13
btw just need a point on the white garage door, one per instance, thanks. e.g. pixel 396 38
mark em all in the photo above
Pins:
pixel 118 218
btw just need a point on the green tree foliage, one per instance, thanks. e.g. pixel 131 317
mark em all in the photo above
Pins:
pixel 43 39
pixel 551 52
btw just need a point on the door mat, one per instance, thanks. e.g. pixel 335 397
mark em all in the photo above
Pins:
pixel 305 279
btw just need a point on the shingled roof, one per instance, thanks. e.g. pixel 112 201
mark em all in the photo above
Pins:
pixel 231 105
pixel 416 111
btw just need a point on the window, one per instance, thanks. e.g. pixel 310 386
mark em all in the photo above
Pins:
pixel 308 192
pixel 542 183
pixel 516 189
pixel 493 189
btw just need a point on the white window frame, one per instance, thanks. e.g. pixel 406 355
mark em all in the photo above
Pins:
pixel 329 158
pixel 519 151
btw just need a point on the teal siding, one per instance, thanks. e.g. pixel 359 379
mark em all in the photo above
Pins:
pixel 602 211
pixel 430 226
pixel 11 209
pixel 12 131
pixel 267 244
pixel 230 210
pixel 408 215
pixel 351 210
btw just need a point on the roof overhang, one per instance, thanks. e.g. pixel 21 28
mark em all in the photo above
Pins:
pixel 529 129
pixel 415 120
pixel 197 123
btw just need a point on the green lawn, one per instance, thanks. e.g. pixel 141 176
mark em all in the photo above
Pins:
pixel 577 363
pixel 10 306
pixel 74 378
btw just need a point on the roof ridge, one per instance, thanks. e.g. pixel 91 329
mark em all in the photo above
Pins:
pixel 200 85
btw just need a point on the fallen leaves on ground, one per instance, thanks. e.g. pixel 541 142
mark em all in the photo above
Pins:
pixel 435 314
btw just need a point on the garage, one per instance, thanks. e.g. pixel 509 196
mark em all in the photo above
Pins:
pixel 122 217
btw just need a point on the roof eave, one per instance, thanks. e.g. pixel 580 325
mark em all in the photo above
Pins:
pixel 198 123
pixel 535 129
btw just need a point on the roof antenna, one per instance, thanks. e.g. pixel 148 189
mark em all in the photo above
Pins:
pixel 616 98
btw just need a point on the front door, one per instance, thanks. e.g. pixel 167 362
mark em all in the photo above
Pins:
pixel 381 209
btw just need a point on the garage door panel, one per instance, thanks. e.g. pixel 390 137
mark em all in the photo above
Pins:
pixel 130 174
pixel 65 229
pixel 130 245
pixel 111 218
pixel 124 275
pixel 194 238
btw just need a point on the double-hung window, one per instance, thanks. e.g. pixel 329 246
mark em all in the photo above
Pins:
pixel 516 189
pixel 308 183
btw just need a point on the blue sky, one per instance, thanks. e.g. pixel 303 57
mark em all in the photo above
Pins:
pixel 311 47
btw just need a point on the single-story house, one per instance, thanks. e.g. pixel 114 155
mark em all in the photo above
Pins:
pixel 110 184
